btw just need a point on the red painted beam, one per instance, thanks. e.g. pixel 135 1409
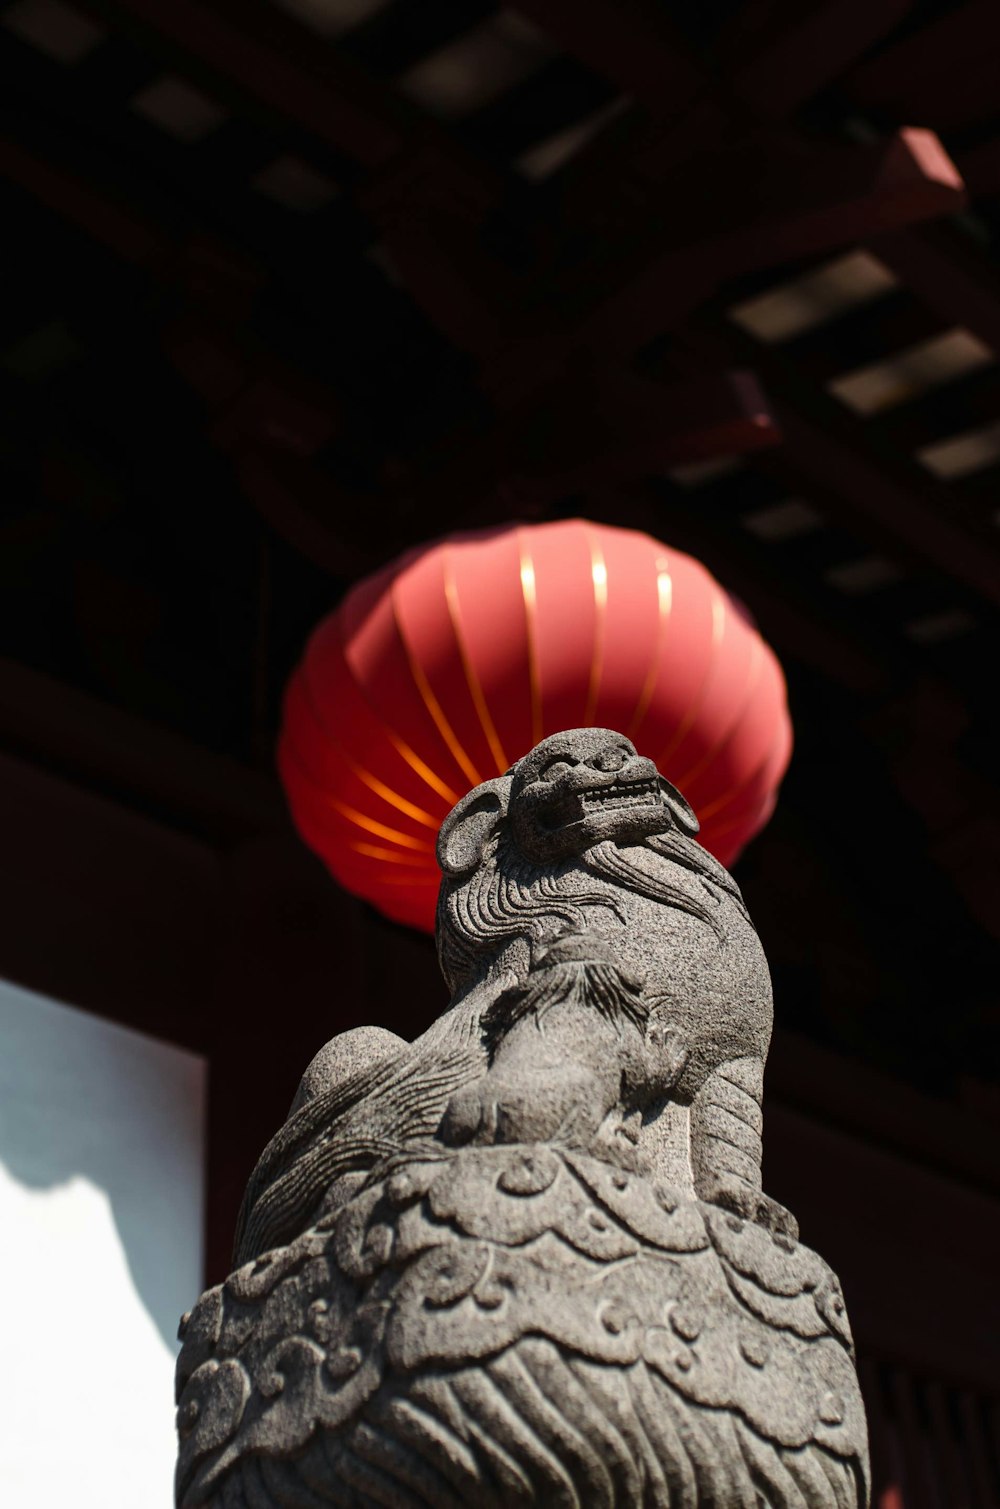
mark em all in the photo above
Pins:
pixel 427 197
pixel 765 213
pixel 617 428
pixel 309 510
pixel 92 744
pixel 949 274
pixel 725 413
pixel 837 461
pixel 280 410
pixel 766 59
pixel 267 56
pixel 124 233
pixel 596 427
pixel 428 210
pixel 263 400
pixel 980 168
pixel 777 56
pixel 944 75
pixel 869 333
pixel 842 470
pixel 963 404
pixel 631 42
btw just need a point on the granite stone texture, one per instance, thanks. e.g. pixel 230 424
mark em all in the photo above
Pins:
pixel 527 1259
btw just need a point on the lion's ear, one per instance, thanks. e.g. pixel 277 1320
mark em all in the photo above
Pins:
pixel 682 812
pixel 470 825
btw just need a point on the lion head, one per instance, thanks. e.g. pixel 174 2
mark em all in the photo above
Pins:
pixel 580 823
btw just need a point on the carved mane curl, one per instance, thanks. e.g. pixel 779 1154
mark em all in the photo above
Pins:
pixel 506 896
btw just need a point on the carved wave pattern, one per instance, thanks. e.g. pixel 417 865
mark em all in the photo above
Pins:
pixel 493 1436
pixel 522 1326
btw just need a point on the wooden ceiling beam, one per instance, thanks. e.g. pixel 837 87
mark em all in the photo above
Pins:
pixel 980 168
pixel 961 405
pixel 632 43
pixel 103 908
pixel 428 212
pixel 949 275
pixel 101 748
pixel 261 412
pixel 787 611
pixel 867 334
pixel 766 61
pixel 813 201
pixel 426 196
pixel 276 62
pixel 263 395
pixel 979 494
pixel 770 212
pixel 959 807
pixel 322 521
pixel 601 426
pixel 624 427
pixel 128 236
pixel 774 58
pixel 605 424
pixel 725 215
pixel 888 502
pixel 833 458
pixel 942 75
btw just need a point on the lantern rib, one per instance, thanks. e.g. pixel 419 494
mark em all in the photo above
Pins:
pixel 423 770
pixel 407 755
pixel 753 677
pixel 599 578
pixel 472 680
pixel 352 815
pixel 713 808
pixel 664 605
pixel 393 798
pixel 687 722
pixel 530 595
pixel 370 825
pixel 737 823
pixel 374 851
pixel 431 702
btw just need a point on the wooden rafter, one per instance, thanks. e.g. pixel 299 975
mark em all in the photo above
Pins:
pixel 944 74
pixel 776 57
pixel 429 200
pixel 258 51
pixel 951 276
pixel 635 44
pixel 802 204
pixel 425 194
pixel 834 457
pixel 864 335
pixel 786 610
pixel 766 62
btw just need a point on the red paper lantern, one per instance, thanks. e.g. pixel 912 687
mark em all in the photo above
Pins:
pixel 444 668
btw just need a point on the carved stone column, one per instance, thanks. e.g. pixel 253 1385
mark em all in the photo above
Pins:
pixel 527 1259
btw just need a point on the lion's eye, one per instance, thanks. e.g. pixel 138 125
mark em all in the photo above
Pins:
pixel 555 767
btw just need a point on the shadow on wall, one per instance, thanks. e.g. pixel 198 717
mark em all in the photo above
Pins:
pixel 84 1099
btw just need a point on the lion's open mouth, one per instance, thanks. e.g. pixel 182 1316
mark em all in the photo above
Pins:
pixel 635 794
pixel 573 806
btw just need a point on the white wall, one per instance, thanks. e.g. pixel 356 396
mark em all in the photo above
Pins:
pixel 101 1188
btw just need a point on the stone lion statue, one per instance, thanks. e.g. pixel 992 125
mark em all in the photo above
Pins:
pixel 526 1259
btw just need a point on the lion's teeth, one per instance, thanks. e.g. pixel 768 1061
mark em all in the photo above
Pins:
pixel 611 796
